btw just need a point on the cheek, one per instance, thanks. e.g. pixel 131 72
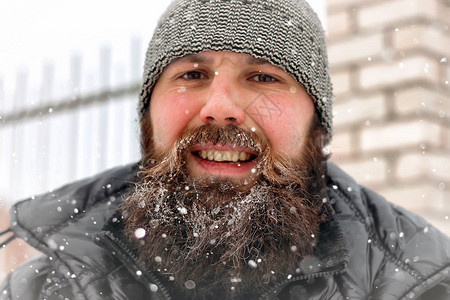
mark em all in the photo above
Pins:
pixel 282 132
pixel 170 115
pixel 287 129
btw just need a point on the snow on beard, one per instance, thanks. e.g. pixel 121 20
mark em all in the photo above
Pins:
pixel 214 232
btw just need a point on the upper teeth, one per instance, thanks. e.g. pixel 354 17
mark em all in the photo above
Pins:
pixel 233 156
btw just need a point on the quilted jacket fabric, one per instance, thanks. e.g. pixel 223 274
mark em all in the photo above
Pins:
pixel 369 249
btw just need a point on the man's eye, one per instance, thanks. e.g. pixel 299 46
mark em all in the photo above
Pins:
pixel 263 78
pixel 192 75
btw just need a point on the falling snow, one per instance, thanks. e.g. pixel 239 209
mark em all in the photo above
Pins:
pixel 190 284
pixel 153 287
pixel 140 233
pixel 252 264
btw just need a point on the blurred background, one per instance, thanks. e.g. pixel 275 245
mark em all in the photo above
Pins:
pixel 70 74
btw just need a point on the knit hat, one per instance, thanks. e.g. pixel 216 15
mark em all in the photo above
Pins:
pixel 285 33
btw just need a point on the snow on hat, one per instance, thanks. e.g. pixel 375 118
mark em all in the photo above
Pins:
pixel 286 33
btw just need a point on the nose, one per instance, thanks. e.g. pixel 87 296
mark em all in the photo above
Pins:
pixel 222 102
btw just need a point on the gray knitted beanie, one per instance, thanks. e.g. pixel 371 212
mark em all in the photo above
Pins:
pixel 286 33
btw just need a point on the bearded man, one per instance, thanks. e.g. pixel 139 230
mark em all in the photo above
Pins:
pixel 234 197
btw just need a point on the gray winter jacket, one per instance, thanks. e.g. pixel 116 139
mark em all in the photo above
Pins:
pixel 369 249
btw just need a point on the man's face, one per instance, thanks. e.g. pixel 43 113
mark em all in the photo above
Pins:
pixel 224 88
pixel 232 174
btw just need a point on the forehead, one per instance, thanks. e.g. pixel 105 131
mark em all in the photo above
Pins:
pixel 212 57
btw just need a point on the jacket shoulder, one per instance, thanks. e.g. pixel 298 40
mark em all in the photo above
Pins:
pixel 61 224
pixel 402 247
pixel 41 215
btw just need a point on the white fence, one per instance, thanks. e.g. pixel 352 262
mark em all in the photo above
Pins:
pixel 53 131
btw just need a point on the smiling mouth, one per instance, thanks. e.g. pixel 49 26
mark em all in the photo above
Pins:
pixel 232 157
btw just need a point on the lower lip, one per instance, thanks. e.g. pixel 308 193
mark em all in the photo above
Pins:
pixel 224 169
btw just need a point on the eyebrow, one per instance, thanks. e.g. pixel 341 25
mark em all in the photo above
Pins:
pixel 195 58
pixel 256 61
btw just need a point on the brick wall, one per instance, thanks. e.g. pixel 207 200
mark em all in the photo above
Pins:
pixel 390 65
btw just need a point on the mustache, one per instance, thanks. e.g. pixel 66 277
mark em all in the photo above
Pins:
pixel 274 167
pixel 172 160
pixel 223 135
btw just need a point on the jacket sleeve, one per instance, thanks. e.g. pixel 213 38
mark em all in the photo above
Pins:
pixel 34 280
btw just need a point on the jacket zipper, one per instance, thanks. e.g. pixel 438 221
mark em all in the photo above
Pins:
pixel 117 244
pixel 120 247
pixel 124 251
pixel 276 286
pixel 130 258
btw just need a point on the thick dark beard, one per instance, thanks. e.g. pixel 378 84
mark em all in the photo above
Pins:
pixel 212 234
